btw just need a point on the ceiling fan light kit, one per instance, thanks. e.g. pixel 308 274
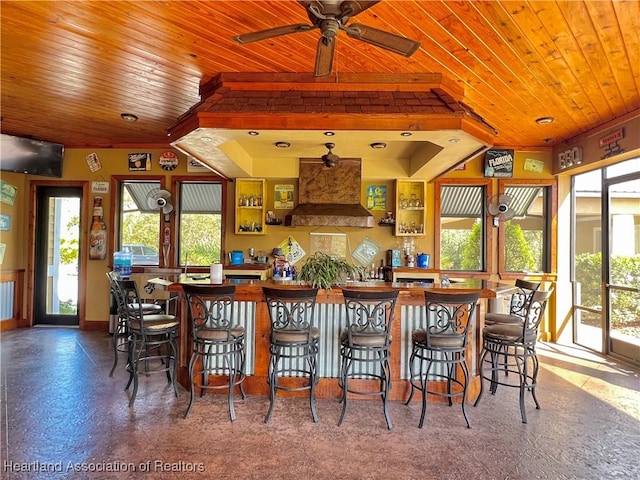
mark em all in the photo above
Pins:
pixel 330 17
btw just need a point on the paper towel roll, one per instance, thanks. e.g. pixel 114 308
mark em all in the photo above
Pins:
pixel 216 273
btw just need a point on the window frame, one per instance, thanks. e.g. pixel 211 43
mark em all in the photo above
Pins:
pixel 551 240
pixel 176 183
pixel 487 185
pixel 115 218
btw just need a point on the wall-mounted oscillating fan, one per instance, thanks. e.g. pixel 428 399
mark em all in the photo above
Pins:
pixel 158 199
pixel 498 207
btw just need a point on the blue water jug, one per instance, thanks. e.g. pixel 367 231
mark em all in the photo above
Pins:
pixel 122 263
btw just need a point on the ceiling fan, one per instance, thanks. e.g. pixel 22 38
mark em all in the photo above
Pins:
pixel 331 16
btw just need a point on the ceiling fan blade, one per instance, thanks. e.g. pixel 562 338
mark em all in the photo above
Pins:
pixel 380 38
pixel 353 8
pixel 324 56
pixel 272 32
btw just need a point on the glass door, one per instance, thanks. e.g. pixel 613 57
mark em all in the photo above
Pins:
pixel 57 255
pixel 622 264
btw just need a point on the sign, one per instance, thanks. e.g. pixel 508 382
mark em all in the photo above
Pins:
pixel 498 163
pixel 168 161
pixel 283 199
pixel 8 193
pixel 194 166
pixel 5 222
pixel 292 250
pixel 376 197
pixel 533 165
pixel 139 162
pixel 611 143
pixel 93 162
pixel 99 187
pixel 570 158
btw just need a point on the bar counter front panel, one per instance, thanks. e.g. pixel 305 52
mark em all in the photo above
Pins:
pixel 330 317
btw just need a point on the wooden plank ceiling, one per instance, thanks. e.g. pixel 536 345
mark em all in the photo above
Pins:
pixel 69 69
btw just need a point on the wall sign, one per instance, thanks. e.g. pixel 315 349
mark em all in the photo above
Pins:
pixel 498 163
pixel 168 161
pixel 5 222
pixel 570 158
pixel 99 187
pixel 139 162
pixel 611 143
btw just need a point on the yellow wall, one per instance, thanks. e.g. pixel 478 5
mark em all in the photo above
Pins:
pixel 114 162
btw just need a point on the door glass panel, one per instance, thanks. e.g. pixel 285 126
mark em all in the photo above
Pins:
pixel 62 265
pixel 588 328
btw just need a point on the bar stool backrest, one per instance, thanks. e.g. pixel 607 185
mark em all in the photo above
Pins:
pixel 535 315
pixel 369 314
pixel 210 307
pixel 448 318
pixel 521 299
pixel 290 310
pixel 131 300
pixel 116 291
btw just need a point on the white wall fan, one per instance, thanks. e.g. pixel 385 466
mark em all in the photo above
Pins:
pixel 499 208
pixel 159 199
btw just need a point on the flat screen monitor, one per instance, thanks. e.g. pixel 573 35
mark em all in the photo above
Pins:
pixel 26 155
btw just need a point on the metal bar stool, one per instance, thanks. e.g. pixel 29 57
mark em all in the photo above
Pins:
pixel 442 342
pixel 518 304
pixel 121 331
pixel 366 342
pixel 151 337
pixel 293 345
pixel 217 343
pixel 511 348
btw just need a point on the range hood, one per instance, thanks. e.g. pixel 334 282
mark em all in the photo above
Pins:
pixel 330 196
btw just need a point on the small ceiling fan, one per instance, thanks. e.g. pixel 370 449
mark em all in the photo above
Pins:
pixel 331 16
pixel 330 159
pixel 498 207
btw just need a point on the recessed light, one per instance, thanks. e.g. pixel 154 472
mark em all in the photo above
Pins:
pixel 329 134
pixel 205 139
pixel 406 134
pixel 129 117
pixel 253 133
pixel 454 140
pixel 544 120
pixel 378 145
pixel 282 144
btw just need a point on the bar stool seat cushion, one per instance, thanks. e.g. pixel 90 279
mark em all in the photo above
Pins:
pixel 294 336
pixel 154 322
pixel 215 334
pixel 493 318
pixel 368 340
pixel 147 307
pixel 506 332
pixel 453 341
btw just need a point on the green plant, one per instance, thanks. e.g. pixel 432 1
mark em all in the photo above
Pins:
pixel 322 270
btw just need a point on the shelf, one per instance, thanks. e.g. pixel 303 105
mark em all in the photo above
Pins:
pixel 410 220
pixel 250 206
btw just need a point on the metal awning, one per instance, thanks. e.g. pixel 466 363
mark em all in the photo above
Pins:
pixel 196 197
pixel 466 201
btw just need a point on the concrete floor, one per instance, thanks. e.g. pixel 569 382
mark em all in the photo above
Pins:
pixel 64 417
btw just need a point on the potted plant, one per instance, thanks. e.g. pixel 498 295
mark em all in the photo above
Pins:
pixel 322 270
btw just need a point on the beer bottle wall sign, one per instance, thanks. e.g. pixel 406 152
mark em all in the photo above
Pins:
pixel 98 235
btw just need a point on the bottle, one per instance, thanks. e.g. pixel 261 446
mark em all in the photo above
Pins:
pixel 381 270
pixel 373 275
pixel 98 235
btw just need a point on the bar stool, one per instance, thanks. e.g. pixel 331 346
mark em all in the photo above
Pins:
pixel 151 337
pixel 515 344
pixel 518 304
pixel 442 342
pixel 217 343
pixel 121 331
pixel 366 343
pixel 293 342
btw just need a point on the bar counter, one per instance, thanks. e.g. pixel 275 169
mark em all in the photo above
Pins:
pixel 251 312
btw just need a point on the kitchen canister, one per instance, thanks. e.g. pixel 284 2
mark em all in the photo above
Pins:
pixel 236 257
pixel 423 260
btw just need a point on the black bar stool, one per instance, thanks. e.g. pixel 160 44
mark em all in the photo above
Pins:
pixel 121 330
pixel 518 304
pixel 293 346
pixel 511 348
pixel 151 337
pixel 442 342
pixel 218 345
pixel 366 341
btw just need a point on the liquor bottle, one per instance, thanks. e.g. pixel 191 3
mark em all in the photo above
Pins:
pixel 98 236
pixel 381 270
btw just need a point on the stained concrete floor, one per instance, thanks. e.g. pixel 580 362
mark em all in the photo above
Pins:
pixel 64 417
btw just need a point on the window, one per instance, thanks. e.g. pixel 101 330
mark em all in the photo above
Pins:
pixel 460 226
pixel 525 227
pixel 139 221
pixel 200 223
